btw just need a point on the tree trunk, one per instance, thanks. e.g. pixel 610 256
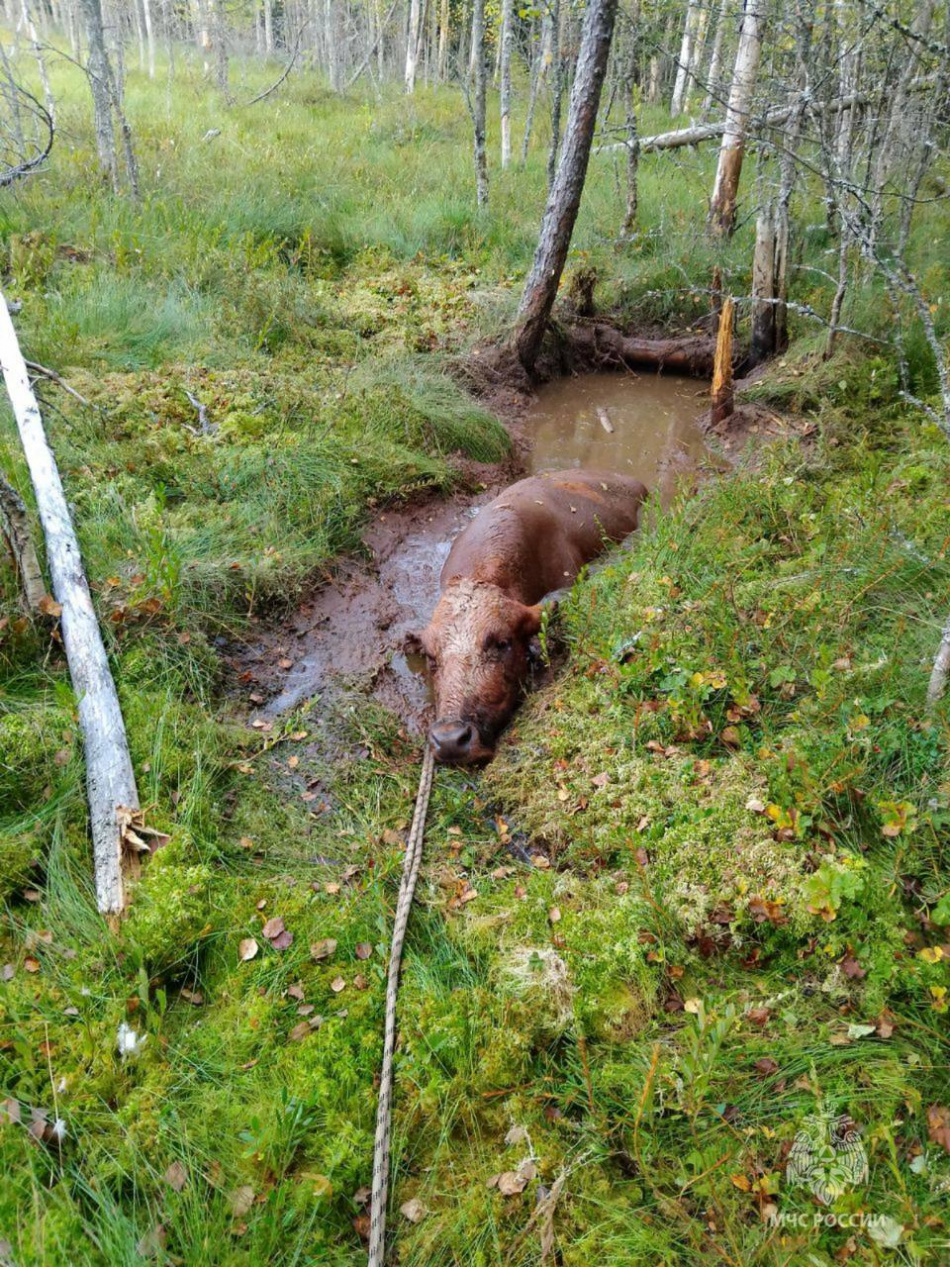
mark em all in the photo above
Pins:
pixel 149 36
pixel 713 86
pixel 603 345
pixel 505 80
pixel 557 90
pixel 633 149
pixel 564 199
pixel 481 158
pixel 110 779
pixel 722 208
pixel 100 73
pixel 412 45
pixel 444 28
pixel 763 289
pixel 683 63
pixel 537 74
pixel 268 26
pixel 722 394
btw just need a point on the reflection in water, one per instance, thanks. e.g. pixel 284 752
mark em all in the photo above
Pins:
pixel 655 421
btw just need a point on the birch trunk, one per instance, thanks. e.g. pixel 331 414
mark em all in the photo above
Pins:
pixel 100 73
pixel 557 89
pixel 722 207
pixel 564 199
pixel 268 26
pixel 715 59
pixel 478 50
pixel 683 63
pixel 149 36
pixel 763 288
pixel 444 28
pixel 505 80
pixel 412 45
pixel 110 779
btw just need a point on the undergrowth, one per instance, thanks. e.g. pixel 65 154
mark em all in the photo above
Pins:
pixel 700 898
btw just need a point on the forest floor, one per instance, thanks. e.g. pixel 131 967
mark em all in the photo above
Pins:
pixel 696 910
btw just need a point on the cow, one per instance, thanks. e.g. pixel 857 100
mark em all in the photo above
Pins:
pixel 530 541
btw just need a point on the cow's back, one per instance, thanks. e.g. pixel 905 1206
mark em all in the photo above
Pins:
pixel 537 535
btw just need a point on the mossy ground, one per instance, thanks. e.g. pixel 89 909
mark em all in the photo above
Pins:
pixel 700 894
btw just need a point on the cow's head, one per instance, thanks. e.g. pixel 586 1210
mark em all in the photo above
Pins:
pixel 478 644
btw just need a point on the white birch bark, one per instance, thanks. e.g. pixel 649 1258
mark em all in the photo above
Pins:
pixel 715 59
pixel 412 45
pixel 505 80
pixel 683 64
pixel 722 206
pixel 149 36
pixel 110 779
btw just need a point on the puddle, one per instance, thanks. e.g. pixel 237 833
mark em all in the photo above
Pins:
pixel 655 421
pixel 351 631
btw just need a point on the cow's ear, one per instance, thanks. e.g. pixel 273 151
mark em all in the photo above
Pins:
pixel 414 643
pixel 530 620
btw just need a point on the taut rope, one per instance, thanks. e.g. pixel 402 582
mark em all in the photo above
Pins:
pixel 410 872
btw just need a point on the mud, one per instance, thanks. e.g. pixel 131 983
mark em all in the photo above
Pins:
pixel 349 635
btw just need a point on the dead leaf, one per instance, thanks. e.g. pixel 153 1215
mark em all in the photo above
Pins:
pixel 31 964
pixel 741 1182
pixel 49 607
pixel 852 968
pixel 282 940
pixel 938 1125
pixel 554 914
pixel 194 997
pixel 363 950
pixel 247 949
pixel 759 1015
pixel 296 991
pixel 299 1031
pixel 176 1176
pixel 322 949
pixel 765 1066
pixel 273 928
pixel 337 984
pixel 413 1210
pixel 242 1199
pixel 332 889
pixel 511 1183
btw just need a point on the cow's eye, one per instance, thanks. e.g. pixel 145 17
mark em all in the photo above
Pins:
pixel 503 645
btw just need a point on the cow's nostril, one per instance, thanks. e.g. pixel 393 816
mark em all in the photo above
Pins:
pixel 451 740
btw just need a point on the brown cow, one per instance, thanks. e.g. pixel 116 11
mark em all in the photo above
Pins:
pixel 531 540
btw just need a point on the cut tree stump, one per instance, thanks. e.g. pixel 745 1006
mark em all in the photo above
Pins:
pixel 722 394
pixel 110 780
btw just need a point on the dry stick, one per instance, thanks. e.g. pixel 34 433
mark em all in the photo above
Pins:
pixel 55 378
pixel 110 780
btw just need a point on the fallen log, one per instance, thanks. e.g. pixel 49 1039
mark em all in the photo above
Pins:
pixel 110 779
pixel 603 345
pixel 15 526
pixel 771 119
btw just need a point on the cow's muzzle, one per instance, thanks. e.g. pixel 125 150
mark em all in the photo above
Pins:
pixel 456 742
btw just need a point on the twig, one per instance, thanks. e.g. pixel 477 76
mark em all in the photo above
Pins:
pixel 243 105
pixel 55 378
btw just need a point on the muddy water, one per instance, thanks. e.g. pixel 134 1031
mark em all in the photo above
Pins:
pixel 350 633
pixel 654 421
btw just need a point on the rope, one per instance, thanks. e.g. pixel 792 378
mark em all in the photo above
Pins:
pixel 410 872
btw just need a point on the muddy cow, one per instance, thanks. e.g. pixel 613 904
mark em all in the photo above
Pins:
pixel 528 542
